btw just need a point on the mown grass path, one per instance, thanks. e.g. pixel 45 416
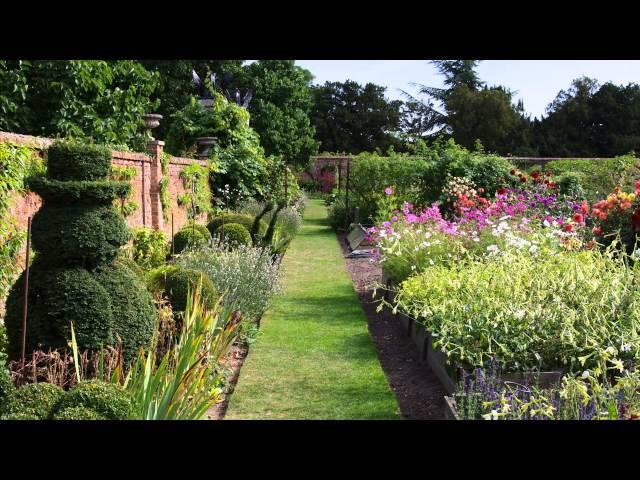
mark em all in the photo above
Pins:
pixel 314 358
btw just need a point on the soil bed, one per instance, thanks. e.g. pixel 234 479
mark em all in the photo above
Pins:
pixel 418 391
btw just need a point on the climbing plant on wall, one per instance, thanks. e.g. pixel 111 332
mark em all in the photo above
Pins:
pixel 16 163
pixel 197 196
pixel 126 204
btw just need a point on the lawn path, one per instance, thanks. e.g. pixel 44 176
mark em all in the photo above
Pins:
pixel 314 357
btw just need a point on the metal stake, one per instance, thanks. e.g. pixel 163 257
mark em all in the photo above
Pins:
pixel 25 305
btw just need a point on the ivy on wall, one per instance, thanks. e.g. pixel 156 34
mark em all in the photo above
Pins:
pixel 197 197
pixel 165 201
pixel 126 205
pixel 17 162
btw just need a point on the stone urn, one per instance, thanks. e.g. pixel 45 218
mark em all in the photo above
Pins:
pixel 151 121
pixel 204 145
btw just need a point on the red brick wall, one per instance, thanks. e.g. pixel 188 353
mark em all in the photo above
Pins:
pixel 145 191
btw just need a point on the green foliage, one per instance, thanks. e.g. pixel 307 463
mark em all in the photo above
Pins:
pixel 124 174
pixel 33 401
pixel 150 247
pixel 243 219
pixel 234 234
pixel 6 384
pixel 282 184
pixel 75 160
pixel 530 312
pixel 176 281
pixel 280 109
pixel 570 184
pixel 78 192
pixel 197 197
pixel 74 278
pixel 16 163
pixel 78 413
pixel 188 238
pixel 84 235
pixel 338 216
pixel 599 177
pixel 354 118
pixel 102 399
pixel 184 383
pixel 372 173
pixel 238 158
pixel 104 100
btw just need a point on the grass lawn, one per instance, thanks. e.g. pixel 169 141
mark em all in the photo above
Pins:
pixel 314 358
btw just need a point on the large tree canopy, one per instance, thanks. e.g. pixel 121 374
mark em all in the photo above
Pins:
pixel 353 118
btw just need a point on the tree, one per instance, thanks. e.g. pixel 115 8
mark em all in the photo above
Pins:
pixel 103 100
pixel 352 118
pixel 280 108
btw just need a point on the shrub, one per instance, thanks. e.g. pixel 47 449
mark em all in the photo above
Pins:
pixel 198 226
pixel 104 399
pixel 246 273
pixel 188 238
pixel 78 161
pixel 243 219
pixel 80 235
pixel 530 311
pixel 234 234
pixel 33 401
pixel 598 177
pixel 6 385
pixel 150 247
pixel 78 413
pixel 176 281
pixel 75 278
pixel 571 183
pixel 337 214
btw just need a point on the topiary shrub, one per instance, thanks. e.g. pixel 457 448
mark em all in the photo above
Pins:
pixel 77 235
pixel 33 401
pixel 197 226
pixel 188 238
pixel 78 413
pixel 104 399
pixel 243 219
pixel 176 282
pixel 234 234
pixel 571 184
pixel 78 161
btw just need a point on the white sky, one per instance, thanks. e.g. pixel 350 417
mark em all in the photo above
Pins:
pixel 537 82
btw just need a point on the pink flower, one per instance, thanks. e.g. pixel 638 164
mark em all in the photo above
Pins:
pixel 388 191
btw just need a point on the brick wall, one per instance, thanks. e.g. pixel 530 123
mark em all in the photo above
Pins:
pixel 146 192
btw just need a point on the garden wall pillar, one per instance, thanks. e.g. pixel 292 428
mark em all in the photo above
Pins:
pixel 155 152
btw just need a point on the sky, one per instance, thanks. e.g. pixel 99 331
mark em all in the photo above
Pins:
pixel 536 82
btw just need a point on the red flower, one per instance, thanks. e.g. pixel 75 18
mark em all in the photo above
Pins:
pixel 548 174
pixel 535 174
pixel 584 207
pixel 568 227
pixel 481 190
pixel 597 231
pixel 502 191
pixel 513 171
pixel 578 218
pixel 523 179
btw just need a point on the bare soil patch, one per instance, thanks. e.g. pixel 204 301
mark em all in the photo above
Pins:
pixel 418 391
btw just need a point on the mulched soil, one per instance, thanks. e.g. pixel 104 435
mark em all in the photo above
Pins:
pixel 233 362
pixel 418 391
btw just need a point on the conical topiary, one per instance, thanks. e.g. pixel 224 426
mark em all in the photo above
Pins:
pixel 77 235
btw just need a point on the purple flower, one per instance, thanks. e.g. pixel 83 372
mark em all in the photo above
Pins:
pixel 388 191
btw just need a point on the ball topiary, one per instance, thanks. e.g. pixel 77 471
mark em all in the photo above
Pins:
pixel 201 228
pixel 37 400
pixel 58 297
pixel 234 234
pixel 188 238
pixel 131 307
pixel 83 235
pixel 177 282
pixel 78 161
pixel 105 399
pixel 78 413
pixel 243 219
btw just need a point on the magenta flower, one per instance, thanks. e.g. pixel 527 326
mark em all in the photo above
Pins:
pixel 388 191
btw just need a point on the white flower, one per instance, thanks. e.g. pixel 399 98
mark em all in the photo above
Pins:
pixel 493 249
pixel 546 223
pixel 533 249
pixel 626 347
pixel 413 267
pixel 431 262
pixel 585 374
